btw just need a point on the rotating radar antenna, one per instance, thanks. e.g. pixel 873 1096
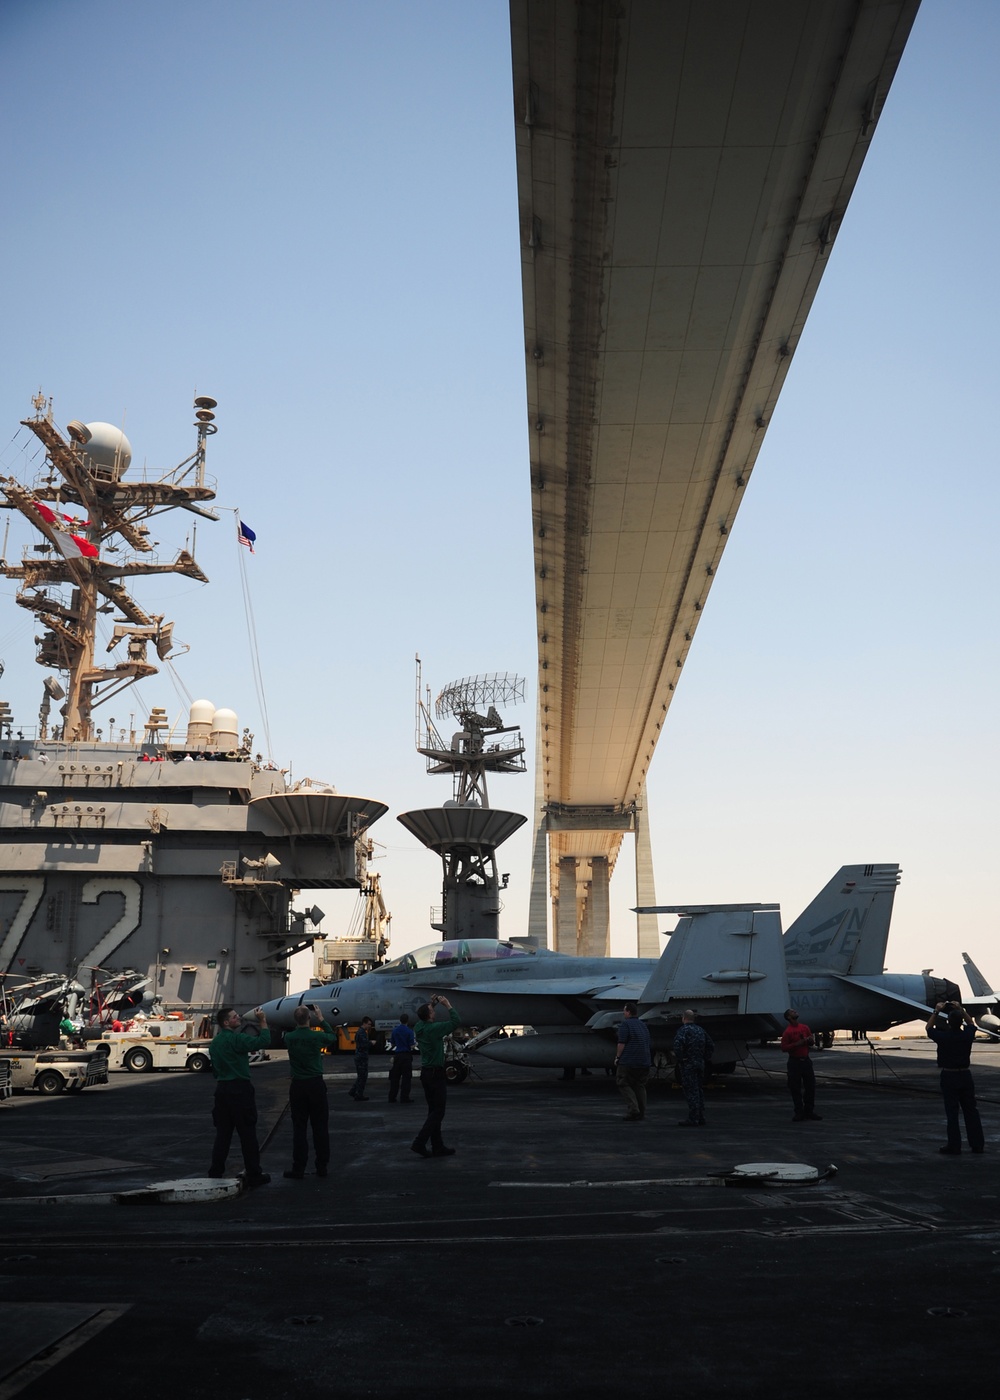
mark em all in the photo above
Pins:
pixel 483 743
pixel 465 696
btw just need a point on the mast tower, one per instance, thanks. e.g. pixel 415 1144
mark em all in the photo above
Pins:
pixel 76 576
pixel 466 831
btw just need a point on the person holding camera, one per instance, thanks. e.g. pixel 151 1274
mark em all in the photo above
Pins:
pixel 431 1036
pixel 235 1107
pixel 953 1030
pixel 307 1101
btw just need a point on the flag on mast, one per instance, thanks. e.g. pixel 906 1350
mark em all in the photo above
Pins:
pixel 75 546
pixel 246 536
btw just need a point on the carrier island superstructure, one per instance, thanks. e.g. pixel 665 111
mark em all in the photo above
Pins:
pixel 171 851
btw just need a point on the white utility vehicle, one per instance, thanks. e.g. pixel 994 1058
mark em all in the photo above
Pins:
pixel 51 1071
pixel 166 1044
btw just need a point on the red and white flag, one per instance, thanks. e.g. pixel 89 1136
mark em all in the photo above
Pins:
pixel 75 546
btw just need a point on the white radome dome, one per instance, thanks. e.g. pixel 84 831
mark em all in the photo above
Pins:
pixel 108 447
pixel 202 712
pixel 225 729
pixel 200 718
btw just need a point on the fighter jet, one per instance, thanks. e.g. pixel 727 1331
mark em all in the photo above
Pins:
pixel 728 962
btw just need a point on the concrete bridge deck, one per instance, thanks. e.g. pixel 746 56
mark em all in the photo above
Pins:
pixel 683 170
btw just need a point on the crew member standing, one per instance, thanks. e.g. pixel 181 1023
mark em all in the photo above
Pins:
pixel 632 1062
pixel 431 1036
pixel 693 1048
pixel 362 1045
pixel 402 1043
pixel 795 1041
pixel 307 1102
pixel 235 1107
pixel 953 1035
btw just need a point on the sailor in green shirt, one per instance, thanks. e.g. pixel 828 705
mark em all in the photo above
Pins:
pixel 235 1107
pixel 307 1100
pixel 431 1036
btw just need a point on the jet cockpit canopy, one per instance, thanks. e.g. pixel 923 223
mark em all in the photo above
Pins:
pixel 454 951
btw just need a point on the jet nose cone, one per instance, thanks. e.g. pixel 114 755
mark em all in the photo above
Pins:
pixel 279 1011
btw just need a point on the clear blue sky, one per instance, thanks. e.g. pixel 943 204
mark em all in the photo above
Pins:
pixel 309 212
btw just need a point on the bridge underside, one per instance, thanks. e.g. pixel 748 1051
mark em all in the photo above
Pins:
pixel 683 170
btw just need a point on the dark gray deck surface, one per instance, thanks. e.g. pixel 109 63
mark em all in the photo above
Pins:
pixel 486 1274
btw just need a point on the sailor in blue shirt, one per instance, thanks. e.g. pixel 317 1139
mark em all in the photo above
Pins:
pixel 632 1062
pixel 362 1047
pixel 402 1043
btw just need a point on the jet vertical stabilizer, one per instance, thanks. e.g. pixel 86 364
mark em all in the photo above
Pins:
pixel 846 927
pixel 984 1002
pixel 723 961
pixel 978 983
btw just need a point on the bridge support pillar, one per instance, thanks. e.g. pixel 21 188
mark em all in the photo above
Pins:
pixel 595 932
pixel 538 933
pixel 582 905
pixel 566 914
pixel 538 921
pixel 647 929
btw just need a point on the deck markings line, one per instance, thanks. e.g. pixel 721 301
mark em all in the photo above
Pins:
pixel 16 1381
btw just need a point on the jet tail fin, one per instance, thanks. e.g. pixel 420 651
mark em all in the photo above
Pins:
pixel 846 927
pixel 978 983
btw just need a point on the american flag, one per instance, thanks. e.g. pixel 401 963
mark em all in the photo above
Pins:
pixel 246 536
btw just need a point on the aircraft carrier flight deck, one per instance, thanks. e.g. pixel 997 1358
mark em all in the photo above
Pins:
pixel 557 1253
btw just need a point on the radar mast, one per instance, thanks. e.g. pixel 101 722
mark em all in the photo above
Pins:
pixel 466 832
pixel 468 757
pixel 73 575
